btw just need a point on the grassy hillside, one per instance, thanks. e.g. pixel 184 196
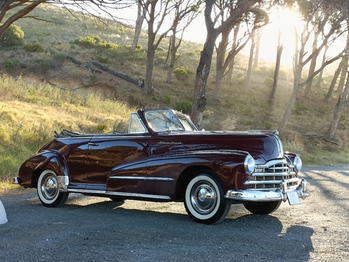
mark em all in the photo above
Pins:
pixel 44 91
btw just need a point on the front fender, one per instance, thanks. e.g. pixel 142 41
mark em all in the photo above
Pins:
pixel 180 168
pixel 32 167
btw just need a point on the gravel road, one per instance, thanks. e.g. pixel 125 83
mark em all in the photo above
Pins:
pixel 96 229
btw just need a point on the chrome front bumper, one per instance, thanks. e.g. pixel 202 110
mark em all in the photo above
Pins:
pixel 281 193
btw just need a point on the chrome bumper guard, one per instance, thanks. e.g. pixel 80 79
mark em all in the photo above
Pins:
pixel 281 193
pixel 63 182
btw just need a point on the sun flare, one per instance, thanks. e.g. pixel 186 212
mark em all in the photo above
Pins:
pixel 283 22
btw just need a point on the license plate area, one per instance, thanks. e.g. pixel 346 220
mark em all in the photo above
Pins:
pixel 293 198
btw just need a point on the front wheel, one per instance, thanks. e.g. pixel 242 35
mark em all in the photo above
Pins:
pixel 204 199
pixel 48 190
pixel 262 208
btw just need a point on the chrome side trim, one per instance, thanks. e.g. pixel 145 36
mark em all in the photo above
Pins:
pixel 87 191
pixel 122 194
pixel 125 194
pixel 145 178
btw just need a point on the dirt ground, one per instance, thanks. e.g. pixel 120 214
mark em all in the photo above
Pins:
pixel 96 229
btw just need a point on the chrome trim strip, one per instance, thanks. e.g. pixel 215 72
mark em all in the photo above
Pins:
pixel 126 194
pixel 272 163
pixel 261 182
pixel 122 194
pixel 166 179
pixel 86 191
pixel 274 174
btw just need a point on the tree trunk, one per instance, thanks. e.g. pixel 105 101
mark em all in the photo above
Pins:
pixel 340 106
pixel 334 81
pixel 250 62
pixel 148 86
pixel 343 75
pixel 319 80
pixel 220 68
pixel 231 64
pixel 292 101
pixel 277 67
pixel 258 44
pixel 173 48
pixel 139 23
pixel 172 56
pixel 312 65
pixel 202 73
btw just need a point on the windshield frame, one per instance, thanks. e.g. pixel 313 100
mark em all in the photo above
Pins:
pixel 166 120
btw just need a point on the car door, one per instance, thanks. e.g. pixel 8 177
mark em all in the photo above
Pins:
pixel 117 162
pixel 75 149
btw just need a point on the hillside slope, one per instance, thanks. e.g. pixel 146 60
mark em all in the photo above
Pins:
pixel 236 110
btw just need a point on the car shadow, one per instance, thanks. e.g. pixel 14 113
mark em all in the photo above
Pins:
pixel 250 237
pixel 90 221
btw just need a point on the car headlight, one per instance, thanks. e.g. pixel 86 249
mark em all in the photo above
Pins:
pixel 297 163
pixel 249 164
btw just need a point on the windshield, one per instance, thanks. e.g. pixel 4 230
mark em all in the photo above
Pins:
pixel 168 121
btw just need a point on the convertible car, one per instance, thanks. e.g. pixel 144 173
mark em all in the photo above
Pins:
pixel 164 157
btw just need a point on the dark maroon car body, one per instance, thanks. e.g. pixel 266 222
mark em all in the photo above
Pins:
pixel 163 157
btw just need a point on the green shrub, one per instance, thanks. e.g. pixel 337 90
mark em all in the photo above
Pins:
pixel 57 60
pixel 102 127
pixel 139 47
pixel 13 36
pixel 138 55
pixel 8 64
pixel 299 108
pixel 102 59
pixel 88 41
pixel 41 66
pixel 35 48
pixel 181 73
pixel 167 99
pixel 109 46
pixel 161 59
pixel 184 106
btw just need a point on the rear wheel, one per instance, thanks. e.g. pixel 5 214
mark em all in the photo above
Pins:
pixel 204 199
pixel 48 190
pixel 262 208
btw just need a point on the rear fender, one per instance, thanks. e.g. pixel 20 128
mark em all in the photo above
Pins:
pixel 49 159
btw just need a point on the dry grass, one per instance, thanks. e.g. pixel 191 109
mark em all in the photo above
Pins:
pixel 30 114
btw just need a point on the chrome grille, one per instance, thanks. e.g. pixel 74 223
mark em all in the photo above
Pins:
pixel 272 174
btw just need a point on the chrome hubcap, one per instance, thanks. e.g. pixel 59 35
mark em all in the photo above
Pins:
pixel 203 198
pixel 49 187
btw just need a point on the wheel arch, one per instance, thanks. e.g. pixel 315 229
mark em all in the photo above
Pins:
pixel 188 174
pixel 52 160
